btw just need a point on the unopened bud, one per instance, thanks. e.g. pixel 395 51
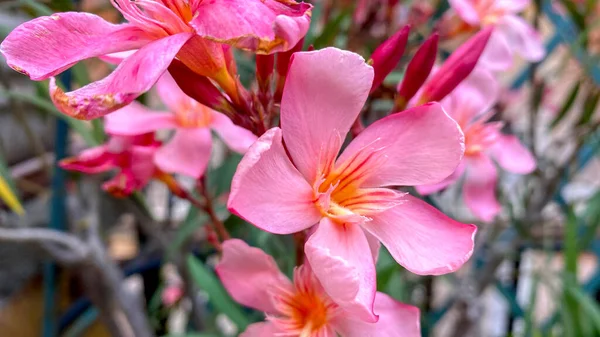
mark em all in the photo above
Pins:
pixel 417 71
pixel 386 57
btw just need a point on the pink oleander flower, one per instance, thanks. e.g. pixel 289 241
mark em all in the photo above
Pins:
pixel 302 308
pixel 188 152
pixel 512 34
pixel 484 143
pixel 289 189
pixel 193 31
pixel 131 157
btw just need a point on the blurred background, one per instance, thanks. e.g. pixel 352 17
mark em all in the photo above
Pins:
pixel 534 272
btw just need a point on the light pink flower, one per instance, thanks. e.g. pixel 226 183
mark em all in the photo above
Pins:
pixel 469 104
pixel 302 308
pixel 289 189
pixel 130 156
pixel 512 34
pixel 160 30
pixel 188 152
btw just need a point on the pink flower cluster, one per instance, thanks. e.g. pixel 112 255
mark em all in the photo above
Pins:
pixel 298 175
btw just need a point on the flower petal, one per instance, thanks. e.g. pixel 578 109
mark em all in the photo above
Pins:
pixel 93 160
pixel 523 38
pixel 451 179
pixel 264 26
pixel 262 329
pixel 324 93
pixel 473 97
pixel 187 153
pixel 395 319
pixel 133 76
pixel 171 94
pixel 423 239
pixel 466 11
pixel 340 257
pixel 48 45
pixel 135 119
pixel 498 54
pixel 269 192
pixel 480 188
pixel 512 156
pixel 250 275
pixel 237 138
pixel 419 146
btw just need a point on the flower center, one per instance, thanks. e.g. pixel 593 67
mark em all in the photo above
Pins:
pixel 340 193
pixel 305 310
pixel 479 137
pixel 159 18
pixel 193 115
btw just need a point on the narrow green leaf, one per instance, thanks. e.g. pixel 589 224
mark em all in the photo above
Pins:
pixel 8 191
pixel 37 8
pixel 78 126
pixel 566 106
pixel 330 31
pixel 589 107
pixel 588 305
pixel 208 281
pixel 577 17
pixel 194 220
pixel 219 181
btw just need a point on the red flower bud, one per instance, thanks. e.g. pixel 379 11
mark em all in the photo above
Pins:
pixel 264 70
pixel 283 63
pixel 456 68
pixel 386 57
pixel 417 71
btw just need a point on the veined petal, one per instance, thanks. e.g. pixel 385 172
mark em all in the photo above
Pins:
pixel 48 45
pixel 512 156
pixel 466 11
pixel 187 153
pixel 133 76
pixel 422 145
pixel 236 137
pixel 480 188
pixel 324 93
pixel 423 239
pixel 262 329
pixel 264 26
pixel 135 119
pixel 250 275
pixel 395 319
pixel 269 192
pixel 523 38
pixel 340 257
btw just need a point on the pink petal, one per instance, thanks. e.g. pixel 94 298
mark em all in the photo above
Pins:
pixel 476 95
pixel 512 156
pixel 419 146
pixel 498 54
pixel 134 76
pixel 523 38
pixel 135 119
pixel 237 138
pixel 94 160
pixel 48 45
pixel 395 320
pixel 423 239
pixel 250 275
pixel 269 192
pixel 187 153
pixel 118 57
pixel 466 11
pixel 480 188
pixel 142 164
pixel 262 329
pixel 340 258
pixel 324 93
pixel 374 245
pixel 171 94
pixel 264 26
pixel 512 6
pixel 451 179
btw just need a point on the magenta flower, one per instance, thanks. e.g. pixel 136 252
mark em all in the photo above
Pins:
pixel 188 152
pixel 512 33
pixel 289 189
pixel 131 157
pixel 191 30
pixel 302 308
pixel 469 104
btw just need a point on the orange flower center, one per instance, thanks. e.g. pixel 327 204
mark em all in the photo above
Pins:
pixel 193 115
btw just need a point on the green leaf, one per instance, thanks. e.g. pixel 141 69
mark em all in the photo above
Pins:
pixel 589 107
pixel 330 31
pixel 78 126
pixel 577 17
pixel 588 305
pixel 194 220
pixel 37 8
pixel 567 104
pixel 219 179
pixel 208 281
pixel 8 191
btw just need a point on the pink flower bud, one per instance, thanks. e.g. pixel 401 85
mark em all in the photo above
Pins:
pixel 417 71
pixel 456 68
pixel 386 57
